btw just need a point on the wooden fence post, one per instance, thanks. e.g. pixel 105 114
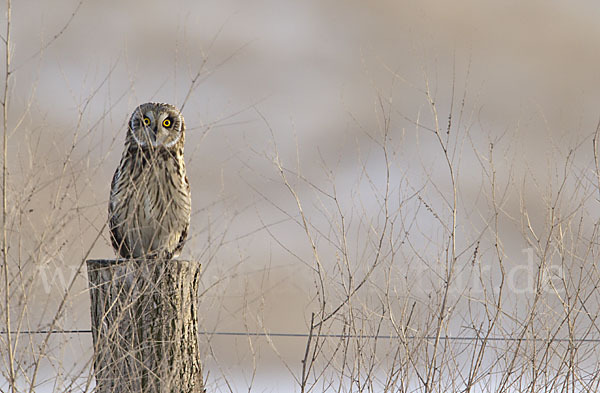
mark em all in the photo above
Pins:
pixel 144 326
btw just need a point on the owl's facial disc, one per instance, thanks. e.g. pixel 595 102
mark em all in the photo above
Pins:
pixel 143 128
pixel 168 130
pixel 156 126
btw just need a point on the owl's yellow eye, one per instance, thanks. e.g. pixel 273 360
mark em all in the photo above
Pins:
pixel 167 122
pixel 146 121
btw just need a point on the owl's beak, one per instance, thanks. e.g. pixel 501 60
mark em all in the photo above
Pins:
pixel 157 136
pixel 151 131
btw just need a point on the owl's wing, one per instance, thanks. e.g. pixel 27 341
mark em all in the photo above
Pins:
pixel 184 232
pixel 182 239
pixel 118 241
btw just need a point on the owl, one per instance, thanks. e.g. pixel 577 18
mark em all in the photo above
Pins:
pixel 150 201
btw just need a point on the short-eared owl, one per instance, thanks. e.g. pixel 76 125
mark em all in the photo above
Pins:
pixel 150 203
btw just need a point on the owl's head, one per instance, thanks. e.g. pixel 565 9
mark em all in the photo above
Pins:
pixel 154 125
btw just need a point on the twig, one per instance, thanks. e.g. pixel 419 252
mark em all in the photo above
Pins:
pixel 11 368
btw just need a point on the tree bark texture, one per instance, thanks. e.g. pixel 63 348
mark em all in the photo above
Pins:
pixel 144 326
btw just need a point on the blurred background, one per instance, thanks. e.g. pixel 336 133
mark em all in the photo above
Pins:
pixel 338 101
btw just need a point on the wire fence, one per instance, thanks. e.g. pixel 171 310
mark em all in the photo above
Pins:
pixel 344 336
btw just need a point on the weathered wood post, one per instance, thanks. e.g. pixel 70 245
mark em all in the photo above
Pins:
pixel 144 326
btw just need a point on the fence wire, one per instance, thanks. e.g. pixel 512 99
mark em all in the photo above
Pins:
pixel 344 336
